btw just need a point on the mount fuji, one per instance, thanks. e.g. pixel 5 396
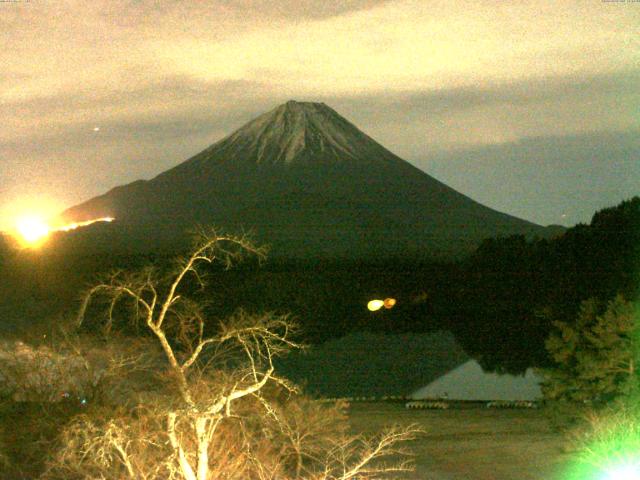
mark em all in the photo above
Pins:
pixel 304 180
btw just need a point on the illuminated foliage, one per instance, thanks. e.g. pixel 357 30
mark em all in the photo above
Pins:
pixel 607 446
pixel 513 288
pixel 596 359
pixel 221 410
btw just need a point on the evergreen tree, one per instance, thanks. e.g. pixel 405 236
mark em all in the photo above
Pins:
pixel 596 358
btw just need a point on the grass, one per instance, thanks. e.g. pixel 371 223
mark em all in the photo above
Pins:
pixel 472 444
pixel 26 432
pixel 459 444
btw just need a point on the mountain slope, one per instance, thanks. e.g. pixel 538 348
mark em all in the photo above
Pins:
pixel 309 183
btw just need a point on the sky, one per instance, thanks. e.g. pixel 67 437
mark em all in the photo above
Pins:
pixel 530 107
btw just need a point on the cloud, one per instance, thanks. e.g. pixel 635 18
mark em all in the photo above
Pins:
pixel 49 145
pixel 171 99
pixel 548 180
pixel 301 9
pixel 413 45
pixel 417 123
pixel 164 79
pixel 410 123
pixel 341 47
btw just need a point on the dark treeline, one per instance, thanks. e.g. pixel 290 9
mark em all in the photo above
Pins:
pixel 500 302
pixel 512 289
pixel 329 298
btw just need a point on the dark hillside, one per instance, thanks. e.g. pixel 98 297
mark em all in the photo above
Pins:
pixel 307 182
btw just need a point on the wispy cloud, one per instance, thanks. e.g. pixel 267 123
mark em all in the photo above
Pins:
pixel 164 79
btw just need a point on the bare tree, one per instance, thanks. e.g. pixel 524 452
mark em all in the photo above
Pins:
pixel 219 380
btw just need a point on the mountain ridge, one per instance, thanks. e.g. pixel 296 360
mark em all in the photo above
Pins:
pixel 309 182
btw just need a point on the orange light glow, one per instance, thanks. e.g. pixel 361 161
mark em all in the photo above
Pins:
pixel 389 303
pixel 32 231
pixel 73 226
pixel 375 305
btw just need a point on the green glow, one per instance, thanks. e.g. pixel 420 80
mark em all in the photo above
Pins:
pixel 624 472
pixel 611 451
pixel 608 448
pixel 608 459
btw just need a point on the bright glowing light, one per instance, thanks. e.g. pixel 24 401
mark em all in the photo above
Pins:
pixel 389 303
pixel 73 226
pixel 374 305
pixel 32 230
pixel 624 472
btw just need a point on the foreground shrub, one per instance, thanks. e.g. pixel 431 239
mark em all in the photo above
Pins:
pixel 28 432
pixel 595 360
pixel 300 439
pixel 606 445
pixel 218 408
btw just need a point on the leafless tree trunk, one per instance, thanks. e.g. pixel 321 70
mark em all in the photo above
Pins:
pixel 259 338
pixel 192 423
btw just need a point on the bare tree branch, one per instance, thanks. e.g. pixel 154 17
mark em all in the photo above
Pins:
pixel 221 380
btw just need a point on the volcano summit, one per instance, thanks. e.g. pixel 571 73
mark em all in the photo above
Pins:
pixel 306 181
